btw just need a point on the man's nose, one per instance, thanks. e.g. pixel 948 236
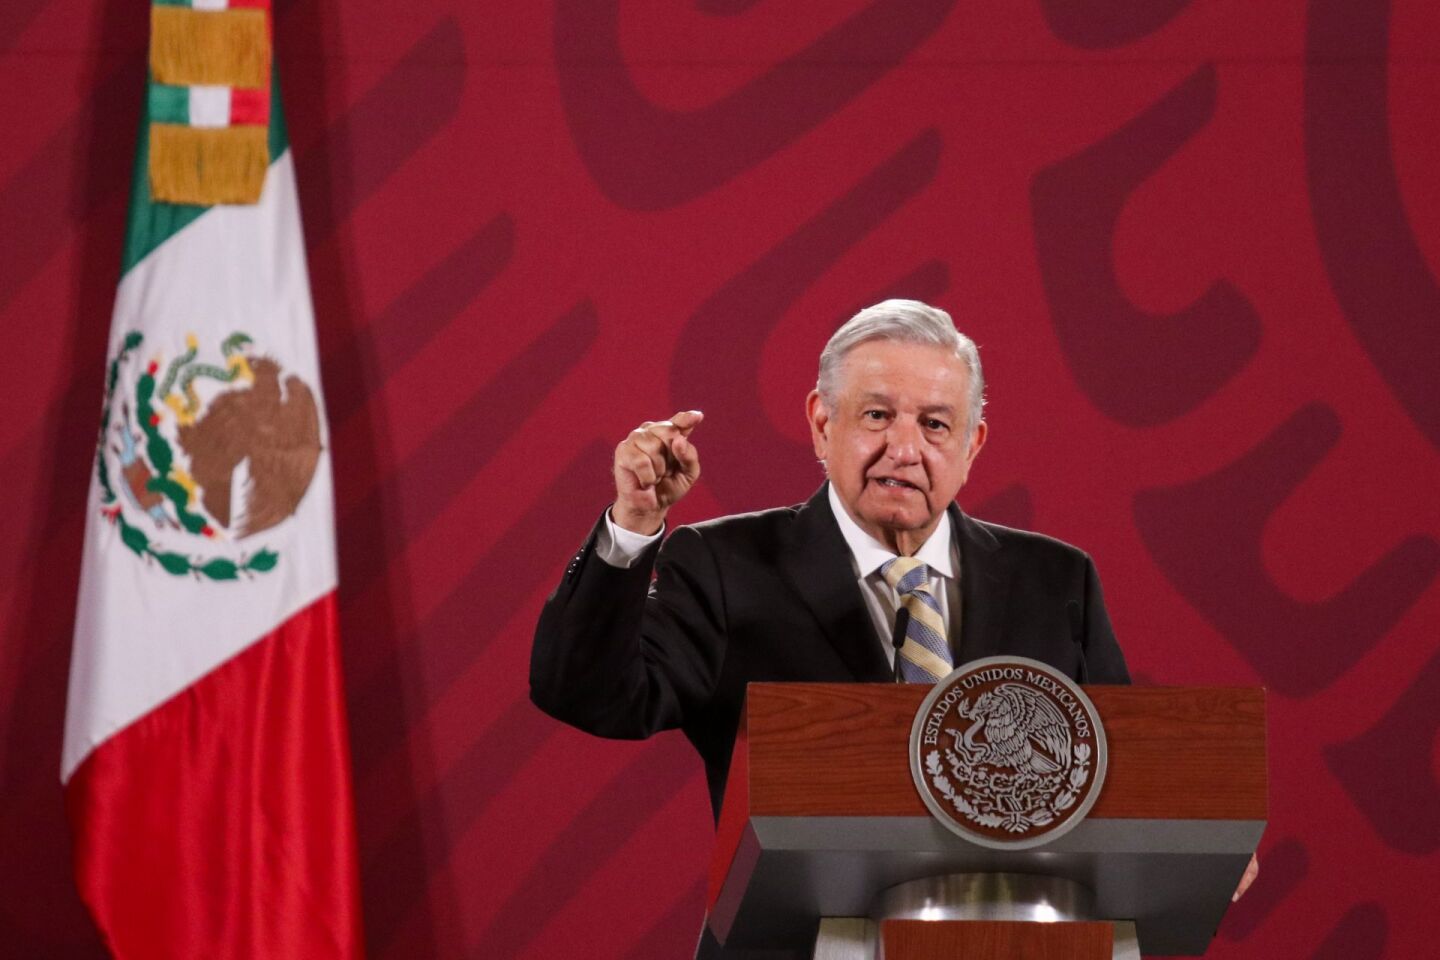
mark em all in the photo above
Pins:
pixel 902 441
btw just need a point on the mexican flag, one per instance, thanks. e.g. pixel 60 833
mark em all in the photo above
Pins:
pixel 205 761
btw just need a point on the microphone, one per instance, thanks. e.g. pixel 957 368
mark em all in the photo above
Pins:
pixel 897 636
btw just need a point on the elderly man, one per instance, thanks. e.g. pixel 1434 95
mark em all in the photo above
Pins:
pixel 810 592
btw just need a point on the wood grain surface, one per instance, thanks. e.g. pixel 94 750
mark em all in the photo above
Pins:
pixel 995 940
pixel 841 750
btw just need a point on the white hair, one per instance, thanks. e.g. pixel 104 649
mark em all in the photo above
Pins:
pixel 906 321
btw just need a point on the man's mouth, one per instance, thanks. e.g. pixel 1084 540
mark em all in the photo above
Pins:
pixel 894 483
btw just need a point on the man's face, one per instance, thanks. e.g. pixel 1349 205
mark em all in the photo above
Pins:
pixel 895 445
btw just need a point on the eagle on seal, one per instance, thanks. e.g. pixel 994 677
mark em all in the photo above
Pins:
pixel 1023 730
pixel 273 425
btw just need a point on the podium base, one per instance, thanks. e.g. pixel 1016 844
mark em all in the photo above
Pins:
pixel 998 914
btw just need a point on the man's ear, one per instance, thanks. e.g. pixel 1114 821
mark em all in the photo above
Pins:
pixel 819 417
pixel 977 440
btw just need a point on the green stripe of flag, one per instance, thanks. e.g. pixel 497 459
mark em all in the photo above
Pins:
pixel 168 104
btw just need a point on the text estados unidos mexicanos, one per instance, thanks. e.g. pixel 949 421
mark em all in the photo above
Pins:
pixel 946 703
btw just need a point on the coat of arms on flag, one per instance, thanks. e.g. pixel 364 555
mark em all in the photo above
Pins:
pixel 196 449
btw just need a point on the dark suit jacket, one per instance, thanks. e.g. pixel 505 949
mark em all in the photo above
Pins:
pixel 773 596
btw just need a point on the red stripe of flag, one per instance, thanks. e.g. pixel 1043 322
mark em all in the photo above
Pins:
pixel 250 105
pixel 219 825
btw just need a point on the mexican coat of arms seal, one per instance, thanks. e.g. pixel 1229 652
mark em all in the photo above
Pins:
pixel 198 456
pixel 1008 752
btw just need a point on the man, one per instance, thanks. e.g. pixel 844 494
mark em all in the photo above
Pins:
pixel 810 592
pixel 801 593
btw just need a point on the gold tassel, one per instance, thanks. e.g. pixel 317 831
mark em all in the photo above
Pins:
pixel 207 165
pixel 227 48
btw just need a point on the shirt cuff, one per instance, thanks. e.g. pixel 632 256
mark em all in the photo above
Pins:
pixel 620 547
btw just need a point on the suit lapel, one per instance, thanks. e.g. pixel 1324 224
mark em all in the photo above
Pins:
pixel 984 586
pixel 818 566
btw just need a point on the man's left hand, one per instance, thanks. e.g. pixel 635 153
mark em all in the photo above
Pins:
pixel 1248 877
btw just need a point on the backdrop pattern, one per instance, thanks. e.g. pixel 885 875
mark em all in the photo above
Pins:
pixel 1197 240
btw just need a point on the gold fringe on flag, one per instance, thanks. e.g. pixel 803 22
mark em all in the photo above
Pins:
pixel 207 165
pixel 227 48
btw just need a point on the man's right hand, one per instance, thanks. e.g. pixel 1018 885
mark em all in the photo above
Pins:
pixel 654 467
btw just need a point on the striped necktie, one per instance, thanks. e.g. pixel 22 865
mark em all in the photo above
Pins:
pixel 925 654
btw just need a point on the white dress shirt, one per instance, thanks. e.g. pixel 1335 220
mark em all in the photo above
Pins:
pixel 621 548
pixel 868 555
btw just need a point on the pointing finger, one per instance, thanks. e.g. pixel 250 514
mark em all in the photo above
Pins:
pixel 679 425
pixel 687 420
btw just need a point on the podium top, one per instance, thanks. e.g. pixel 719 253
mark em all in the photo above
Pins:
pixel 838 749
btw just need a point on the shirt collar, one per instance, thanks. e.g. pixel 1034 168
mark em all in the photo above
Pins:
pixel 870 554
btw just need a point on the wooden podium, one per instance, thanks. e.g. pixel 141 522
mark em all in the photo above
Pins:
pixel 822 820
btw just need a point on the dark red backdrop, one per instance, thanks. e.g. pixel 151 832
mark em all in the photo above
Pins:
pixel 1197 240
